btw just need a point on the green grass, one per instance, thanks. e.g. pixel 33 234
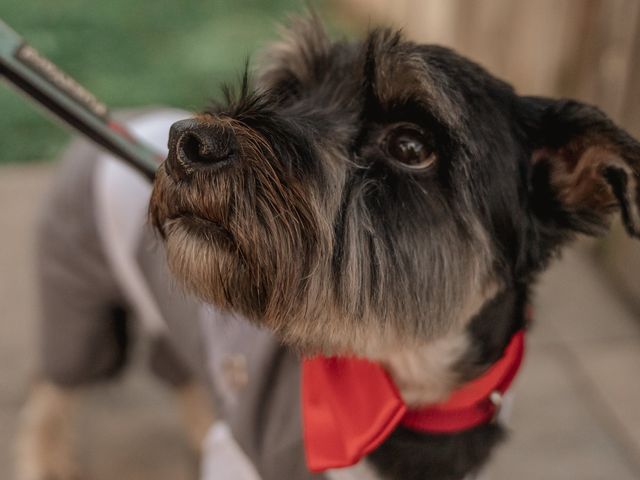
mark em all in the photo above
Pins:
pixel 132 52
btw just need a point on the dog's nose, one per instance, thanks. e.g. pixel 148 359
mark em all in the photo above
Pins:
pixel 196 143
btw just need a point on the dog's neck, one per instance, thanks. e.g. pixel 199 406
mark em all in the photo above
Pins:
pixel 428 373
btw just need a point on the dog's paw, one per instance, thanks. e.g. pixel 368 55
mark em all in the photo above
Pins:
pixel 44 447
pixel 31 464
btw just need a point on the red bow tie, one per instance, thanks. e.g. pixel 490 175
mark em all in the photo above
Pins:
pixel 350 406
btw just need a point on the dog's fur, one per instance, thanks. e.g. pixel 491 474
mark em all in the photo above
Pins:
pixel 312 227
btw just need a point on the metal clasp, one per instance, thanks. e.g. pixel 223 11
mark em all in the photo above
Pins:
pixel 496 399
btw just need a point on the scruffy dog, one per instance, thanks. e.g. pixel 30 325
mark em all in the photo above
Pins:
pixel 377 200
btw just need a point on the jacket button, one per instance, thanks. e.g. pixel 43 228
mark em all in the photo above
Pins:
pixel 235 372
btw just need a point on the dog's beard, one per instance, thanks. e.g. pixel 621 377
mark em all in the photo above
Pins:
pixel 260 272
pixel 253 241
pixel 248 239
pixel 208 263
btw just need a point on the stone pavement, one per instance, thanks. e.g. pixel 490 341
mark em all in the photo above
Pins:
pixel 576 414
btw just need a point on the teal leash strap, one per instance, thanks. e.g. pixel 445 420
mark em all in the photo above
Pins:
pixel 66 100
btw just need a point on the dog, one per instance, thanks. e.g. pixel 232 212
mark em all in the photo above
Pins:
pixel 377 212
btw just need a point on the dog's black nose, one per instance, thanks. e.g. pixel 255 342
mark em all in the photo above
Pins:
pixel 195 143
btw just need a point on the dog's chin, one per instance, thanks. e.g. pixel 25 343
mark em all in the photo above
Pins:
pixel 202 257
pixel 199 228
pixel 206 262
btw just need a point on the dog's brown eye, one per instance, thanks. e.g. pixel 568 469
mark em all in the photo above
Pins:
pixel 410 147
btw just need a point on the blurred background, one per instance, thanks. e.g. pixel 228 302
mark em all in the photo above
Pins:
pixel 577 412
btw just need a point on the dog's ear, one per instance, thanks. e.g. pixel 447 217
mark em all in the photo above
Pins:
pixel 583 167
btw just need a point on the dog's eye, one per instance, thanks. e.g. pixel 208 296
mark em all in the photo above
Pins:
pixel 410 147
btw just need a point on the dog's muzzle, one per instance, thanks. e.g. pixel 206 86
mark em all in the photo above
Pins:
pixel 196 145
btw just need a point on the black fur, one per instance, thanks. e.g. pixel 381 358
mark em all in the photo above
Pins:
pixel 408 455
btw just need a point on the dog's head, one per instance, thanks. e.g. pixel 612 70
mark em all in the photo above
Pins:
pixel 369 194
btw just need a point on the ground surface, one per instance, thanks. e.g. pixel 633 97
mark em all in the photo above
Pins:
pixel 576 414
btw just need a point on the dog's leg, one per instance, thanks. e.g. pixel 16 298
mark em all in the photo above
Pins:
pixel 44 442
pixel 197 413
pixel 196 406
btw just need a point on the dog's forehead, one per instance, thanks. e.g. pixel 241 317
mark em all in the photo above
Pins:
pixel 333 78
pixel 402 72
pixel 399 72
